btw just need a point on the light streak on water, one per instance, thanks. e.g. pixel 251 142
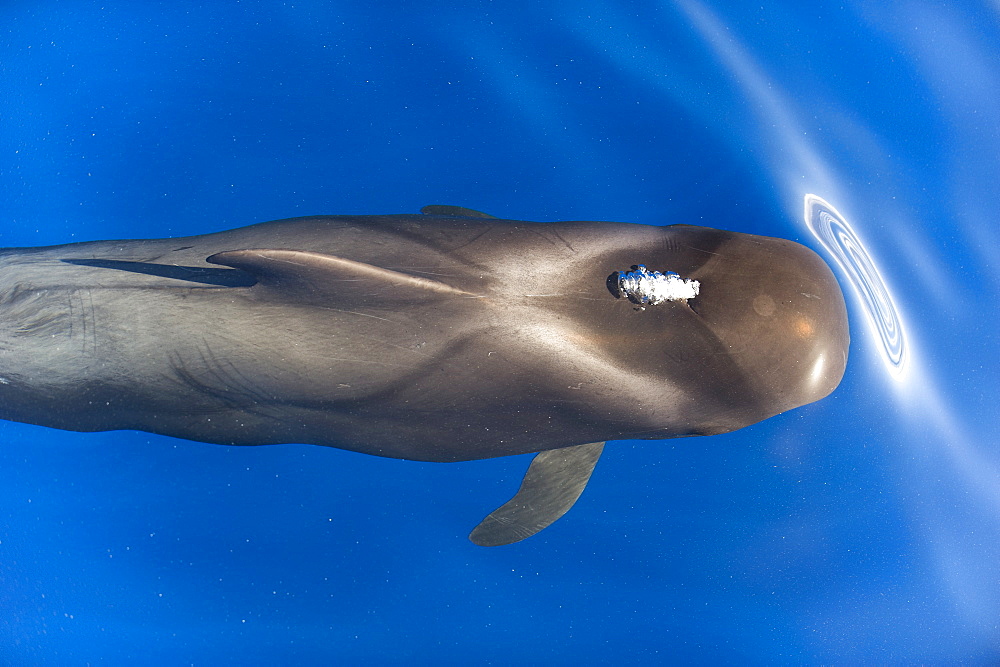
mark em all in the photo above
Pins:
pixel 949 475
pixel 843 244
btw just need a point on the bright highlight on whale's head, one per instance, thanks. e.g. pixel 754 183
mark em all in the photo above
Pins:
pixel 840 241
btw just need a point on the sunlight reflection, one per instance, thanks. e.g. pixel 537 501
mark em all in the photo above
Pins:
pixel 953 479
pixel 841 242
pixel 800 162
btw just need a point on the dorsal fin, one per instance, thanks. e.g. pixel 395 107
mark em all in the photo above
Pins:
pixel 309 275
pixel 455 211
pixel 554 481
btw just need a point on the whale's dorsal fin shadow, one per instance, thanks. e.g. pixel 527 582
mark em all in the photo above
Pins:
pixel 190 274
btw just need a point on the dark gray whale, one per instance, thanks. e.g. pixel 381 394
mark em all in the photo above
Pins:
pixel 446 336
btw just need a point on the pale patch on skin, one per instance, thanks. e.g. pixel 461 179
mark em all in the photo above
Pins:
pixel 763 305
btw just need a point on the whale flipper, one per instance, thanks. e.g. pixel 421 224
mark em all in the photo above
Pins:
pixel 554 481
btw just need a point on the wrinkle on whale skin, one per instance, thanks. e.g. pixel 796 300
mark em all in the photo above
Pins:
pixel 445 336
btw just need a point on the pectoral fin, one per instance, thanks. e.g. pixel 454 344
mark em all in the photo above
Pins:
pixel 554 481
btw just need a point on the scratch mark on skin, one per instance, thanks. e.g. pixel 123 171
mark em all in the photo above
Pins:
pixel 548 234
pixel 81 314
pixel 232 386
pixel 92 313
pixel 374 363
pixel 474 238
pixel 376 317
pixel 565 242
pixel 405 348
pixel 72 319
pixel 707 252
pixel 228 374
pixel 280 260
pixel 354 312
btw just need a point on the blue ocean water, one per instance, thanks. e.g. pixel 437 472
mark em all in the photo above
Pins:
pixel 862 528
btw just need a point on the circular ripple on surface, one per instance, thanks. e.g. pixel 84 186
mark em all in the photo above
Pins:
pixel 843 244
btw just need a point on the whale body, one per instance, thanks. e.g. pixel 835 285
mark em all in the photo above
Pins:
pixel 444 336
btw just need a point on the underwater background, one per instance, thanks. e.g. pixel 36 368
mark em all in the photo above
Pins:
pixel 862 528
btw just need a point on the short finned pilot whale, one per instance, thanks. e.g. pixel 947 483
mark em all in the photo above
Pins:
pixel 444 336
